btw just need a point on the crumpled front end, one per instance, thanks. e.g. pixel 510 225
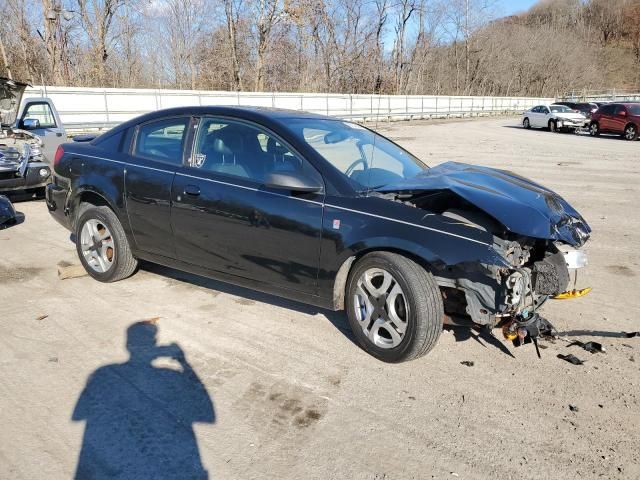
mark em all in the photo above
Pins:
pixel 537 239
pixel 22 165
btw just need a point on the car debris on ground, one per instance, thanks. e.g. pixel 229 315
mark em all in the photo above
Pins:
pixel 571 359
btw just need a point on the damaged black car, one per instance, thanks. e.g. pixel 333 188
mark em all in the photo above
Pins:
pixel 325 212
pixel 22 164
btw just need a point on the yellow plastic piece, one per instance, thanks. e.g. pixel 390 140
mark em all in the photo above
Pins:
pixel 572 294
pixel 509 334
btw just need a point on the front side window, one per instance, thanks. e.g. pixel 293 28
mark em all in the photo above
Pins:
pixel 367 159
pixel 634 110
pixel 162 140
pixel 246 151
pixel 41 112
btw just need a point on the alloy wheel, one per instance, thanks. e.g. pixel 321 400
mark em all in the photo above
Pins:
pixel 97 245
pixel 381 308
pixel 630 132
pixel 593 129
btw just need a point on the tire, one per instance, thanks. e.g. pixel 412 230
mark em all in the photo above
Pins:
pixel 553 126
pixel 630 132
pixel 419 304
pixel 594 129
pixel 526 123
pixel 117 261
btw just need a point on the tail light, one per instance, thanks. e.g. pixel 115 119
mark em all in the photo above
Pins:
pixel 58 156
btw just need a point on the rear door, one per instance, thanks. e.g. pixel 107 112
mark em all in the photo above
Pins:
pixel 155 154
pixel 534 116
pixel 224 218
pixel 606 117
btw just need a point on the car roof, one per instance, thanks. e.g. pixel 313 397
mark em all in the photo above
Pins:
pixel 265 115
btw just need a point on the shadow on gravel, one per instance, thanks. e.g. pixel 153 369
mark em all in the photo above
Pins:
pixel 139 417
pixel 481 336
pixel 337 319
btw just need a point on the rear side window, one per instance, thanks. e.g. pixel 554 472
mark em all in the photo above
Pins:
pixel 607 109
pixel 111 143
pixel 162 140
pixel 620 109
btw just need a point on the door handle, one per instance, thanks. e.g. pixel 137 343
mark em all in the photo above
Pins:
pixel 192 190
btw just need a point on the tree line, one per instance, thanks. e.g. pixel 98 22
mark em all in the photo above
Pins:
pixel 446 47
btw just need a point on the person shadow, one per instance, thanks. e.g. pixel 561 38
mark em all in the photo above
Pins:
pixel 139 416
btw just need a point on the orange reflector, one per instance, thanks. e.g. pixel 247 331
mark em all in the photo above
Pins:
pixel 572 294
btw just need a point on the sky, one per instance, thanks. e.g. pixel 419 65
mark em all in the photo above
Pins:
pixel 509 7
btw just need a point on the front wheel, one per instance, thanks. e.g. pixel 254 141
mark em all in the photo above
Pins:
pixel 631 132
pixel 553 126
pixel 102 245
pixel 594 129
pixel 526 124
pixel 394 307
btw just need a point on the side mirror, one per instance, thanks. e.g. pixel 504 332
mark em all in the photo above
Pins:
pixel 623 113
pixel 30 123
pixel 292 181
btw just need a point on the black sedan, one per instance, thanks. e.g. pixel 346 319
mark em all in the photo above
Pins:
pixel 322 211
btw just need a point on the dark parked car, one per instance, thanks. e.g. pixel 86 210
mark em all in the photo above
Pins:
pixel 322 211
pixel 619 118
pixel 584 108
pixel 7 213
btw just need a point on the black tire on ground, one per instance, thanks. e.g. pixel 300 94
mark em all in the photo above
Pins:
pixel 123 264
pixel 526 123
pixel 594 129
pixel 630 132
pixel 425 309
pixel 553 126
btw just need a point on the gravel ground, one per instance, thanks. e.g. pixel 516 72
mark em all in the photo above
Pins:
pixel 270 388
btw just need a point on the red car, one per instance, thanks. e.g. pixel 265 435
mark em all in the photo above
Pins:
pixel 620 118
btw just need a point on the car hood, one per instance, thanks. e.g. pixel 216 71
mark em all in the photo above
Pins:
pixel 571 116
pixel 522 206
pixel 10 97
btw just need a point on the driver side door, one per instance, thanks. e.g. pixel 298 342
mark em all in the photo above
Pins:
pixel 225 219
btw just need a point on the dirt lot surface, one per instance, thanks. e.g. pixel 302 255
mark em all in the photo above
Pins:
pixel 284 391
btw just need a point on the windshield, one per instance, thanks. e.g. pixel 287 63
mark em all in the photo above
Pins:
pixel 634 109
pixel 367 159
pixel 560 109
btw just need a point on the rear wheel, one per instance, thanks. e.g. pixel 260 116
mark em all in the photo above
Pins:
pixel 526 124
pixel 102 245
pixel 630 132
pixel 594 129
pixel 394 307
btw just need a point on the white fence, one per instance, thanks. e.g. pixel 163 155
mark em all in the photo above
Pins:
pixel 82 108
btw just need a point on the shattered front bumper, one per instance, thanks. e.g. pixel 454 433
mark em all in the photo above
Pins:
pixel 36 175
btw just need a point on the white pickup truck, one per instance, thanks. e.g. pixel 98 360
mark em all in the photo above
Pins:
pixel 30 133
